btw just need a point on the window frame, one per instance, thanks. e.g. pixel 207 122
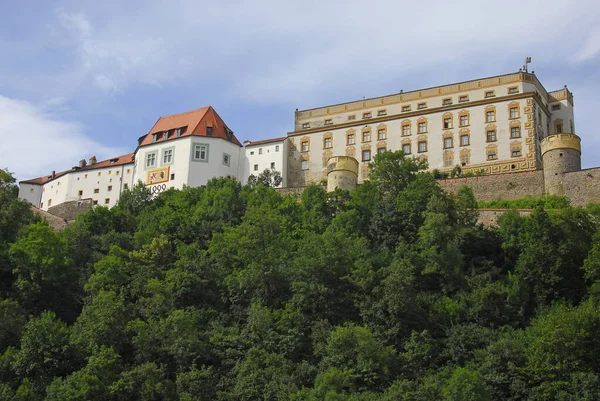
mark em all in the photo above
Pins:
pixel 362 153
pixel 409 148
pixel 226 159
pixel 468 139
pixel 207 152
pixel 302 143
pixel 419 146
pixel 147 155
pixel 348 135
pixel 303 164
pixel 487 136
pixel 367 132
pixel 451 142
pixel 164 151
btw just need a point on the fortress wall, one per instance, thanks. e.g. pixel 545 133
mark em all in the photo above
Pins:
pixel 500 186
pixel 70 209
pixel 582 186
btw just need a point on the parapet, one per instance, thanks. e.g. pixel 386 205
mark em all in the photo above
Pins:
pixel 342 172
pixel 561 141
pixel 341 163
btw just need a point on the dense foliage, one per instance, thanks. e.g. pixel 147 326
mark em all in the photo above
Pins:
pixel 528 202
pixel 224 292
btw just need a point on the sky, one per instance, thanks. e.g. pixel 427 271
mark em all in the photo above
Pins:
pixel 81 78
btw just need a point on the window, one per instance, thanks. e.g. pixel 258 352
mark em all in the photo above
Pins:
pixel 96 190
pixel 422 146
pixel 382 112
pixel 352 117
pixel 304 146
pixel 448 159
pixel 328 121
pixel 515 150
pixel 306 125
pixel 448 123
pixel 276 148
pixel 49 202
pixel 405 108
pixel 165 135
pixel 421 106
pixel 200 153
pixel 178 133
pixel 366 155
pixel 422 127
pixel 490 116
pixel 125 186
pixel 366 136
pixel 95 202
pixel 491 136
pixel 463 98
pixel 381 134
pixel 106 201
pixel 380 150
pixel 226 159
pixel 154 137
pixel 327 143
pixel 446 102
pixel 555 107
pixel 367 115
pixel 128 171
pixel 304 165
pixel 260 151
pixel 489 94
pixel 150 159
pixel 350 139
pixel 272 165
pixel 491 154
pixel 465 158
pixel 117 172
pixel 406 148
pixel 172 176
pixel 464 120
pixel 85 176
pixel 515 132
pixel 109 173
pixel 464 140
pixel 406 130
pixel 256 167
pixel 99 174
pixel 80 192
pixel 558 128
pixel 167 156
pixel 448 143
pixel 513 90
pixel 109 188
pixel 514 112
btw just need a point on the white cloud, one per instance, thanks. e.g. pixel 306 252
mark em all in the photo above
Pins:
pixel 35 141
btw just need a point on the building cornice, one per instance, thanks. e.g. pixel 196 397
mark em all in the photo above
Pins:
pixel 421 94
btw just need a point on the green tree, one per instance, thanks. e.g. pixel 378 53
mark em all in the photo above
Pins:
pixel 465 385
pixel 393 171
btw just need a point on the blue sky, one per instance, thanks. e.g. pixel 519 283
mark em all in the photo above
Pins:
pixel 82 78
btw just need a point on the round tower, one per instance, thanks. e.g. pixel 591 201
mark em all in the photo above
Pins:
pixel 342 172
pixel 561 153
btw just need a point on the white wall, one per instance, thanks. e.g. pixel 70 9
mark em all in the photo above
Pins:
pixel 184 170
pixel 257 158
pixel 32 193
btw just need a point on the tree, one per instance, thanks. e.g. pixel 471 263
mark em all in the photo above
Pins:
pixel 465 385
pixel 269 178
pixel 393 171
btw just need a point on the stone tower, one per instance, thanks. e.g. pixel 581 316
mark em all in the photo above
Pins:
pixel 342 172
pixel 561 153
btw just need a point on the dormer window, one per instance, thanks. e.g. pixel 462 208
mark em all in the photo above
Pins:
pixel 229 133
pixel 154 137
pixel 165 135
pixel 177 132
pixel 209 131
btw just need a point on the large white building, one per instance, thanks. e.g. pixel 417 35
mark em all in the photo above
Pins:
pixel 492 125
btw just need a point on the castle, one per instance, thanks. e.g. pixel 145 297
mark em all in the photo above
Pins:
pixel 518 137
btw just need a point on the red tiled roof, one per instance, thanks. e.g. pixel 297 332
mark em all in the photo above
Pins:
pixel 265 141
pixel 114 161
pixel 195 123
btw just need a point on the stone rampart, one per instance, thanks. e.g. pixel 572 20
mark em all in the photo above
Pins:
pixel 499 186
pixel 583 186
pixel 69 210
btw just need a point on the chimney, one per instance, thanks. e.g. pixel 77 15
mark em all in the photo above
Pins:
pixel 92 160
pixel 53 174
pixel 82 163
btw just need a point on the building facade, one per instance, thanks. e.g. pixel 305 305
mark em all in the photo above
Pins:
pixel 264 155
pixel 493 125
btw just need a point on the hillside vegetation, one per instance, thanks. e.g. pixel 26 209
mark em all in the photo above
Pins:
pixel 230 292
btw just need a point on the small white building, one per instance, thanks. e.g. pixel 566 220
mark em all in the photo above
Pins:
pixel 101 181
pixel 265 155
pixel 187 149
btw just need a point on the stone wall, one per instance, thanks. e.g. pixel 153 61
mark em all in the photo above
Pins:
pixel 489 217
pixel 69 210
pixel 583 186
pixel 500 186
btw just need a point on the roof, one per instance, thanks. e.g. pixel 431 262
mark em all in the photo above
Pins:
pixel 264 141
pixel 193 123
pixel 113 161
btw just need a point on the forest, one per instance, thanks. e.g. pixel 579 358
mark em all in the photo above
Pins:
pixel 227 292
